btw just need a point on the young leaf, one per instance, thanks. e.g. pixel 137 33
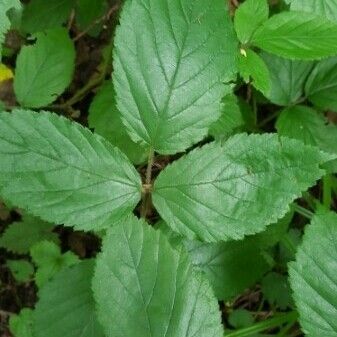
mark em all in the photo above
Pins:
pixel 144 287
pixel 19 237
pixel 248 17
pixel 105 118
pixel 327 8
pixel 21 325
pixel 287 78
pixel 66 307
pixel 61 172
pixel 22 270
pixel 5 24
pixel 220 192
pixel 44 70
pixel 313 277
pixel 321 86
pixel 170 70
pixel 240 318
pixel 303 123
pixel 297 35
pixel 49 260
pixel 40 15
pixel 253 68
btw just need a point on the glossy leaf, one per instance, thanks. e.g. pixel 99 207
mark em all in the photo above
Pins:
pixel 248 17
pixel 105 118
pixel 40 15
pixel 44 70
pixel 313 277
pixel 144 287
pixel 66 307
pixel 61 172
pixel 297 35
pixel 225 192
pixel 321 87
pixel 287 77
pixel 169 72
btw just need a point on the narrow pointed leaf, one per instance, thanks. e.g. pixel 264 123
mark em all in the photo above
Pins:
pixel 313 277
pixel 170 69
pixel 220 192
pixel 66 306
pixel 146 288
pixel 61 172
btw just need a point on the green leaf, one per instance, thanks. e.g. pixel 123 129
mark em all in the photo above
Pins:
pixel 276 290
pixel 287 77
pixel 44 70
pixel 19 237
pixel 170 71
pixel 22 325
pixel 49 260
pixel 326 8
pixel 248 17
pixel 231 267
pixel 240 318
pixel 297 35
pixel 144 287
pixel 5 24
pixel 61 172
pixel 303 123
pixel 321 87
pixel 40 15
pixel 22 270
pixel 87 12
pixel 66 306
pixel 220 192
pixel 313 277
pixel 104 117
pixel 252 67
pixel 231 119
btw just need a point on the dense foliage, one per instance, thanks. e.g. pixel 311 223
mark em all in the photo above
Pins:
pixel 185 189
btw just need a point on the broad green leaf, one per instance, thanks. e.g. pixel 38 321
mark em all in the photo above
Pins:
pixel 5 24
pixel 276 290
pixel 144 287
pixel 19 237
pixel 87 12
pixel 61 172
pixel 231 267
pixel 313 277
pixel 40 15
pixel 303 123
pixel 252 68
pixel 321 87
pixel 326 8
pixel 66 306
pixel 170 71
pixel 49 260
pixel 240 318
pixel 297 35
pixel 248 17
pixel 104 117
pixel 21 325
pixel 22 270
pixel 44 70
pixel 231 119
pixel 287 78
pixel 220 192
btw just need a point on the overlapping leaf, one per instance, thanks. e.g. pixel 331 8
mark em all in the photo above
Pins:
pixel 146 288
pixel 60 171
pixel 170 69
pixel 225 192
pixel 313 277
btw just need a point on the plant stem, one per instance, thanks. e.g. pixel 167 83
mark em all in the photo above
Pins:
pixel 147 185
pixel 267 324
pixel 303 211
pixel 327 191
